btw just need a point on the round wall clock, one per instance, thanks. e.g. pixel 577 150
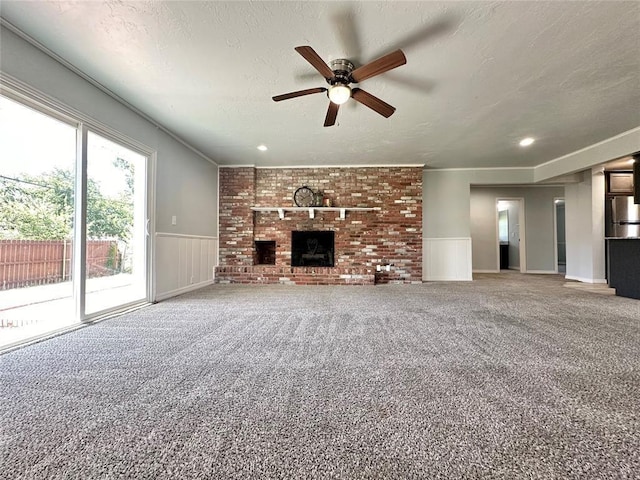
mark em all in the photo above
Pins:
pixel 304 197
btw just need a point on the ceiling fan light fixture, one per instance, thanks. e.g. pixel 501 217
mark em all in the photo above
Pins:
pixel 339 93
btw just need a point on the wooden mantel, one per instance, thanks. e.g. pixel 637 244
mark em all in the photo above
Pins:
pixel 312 210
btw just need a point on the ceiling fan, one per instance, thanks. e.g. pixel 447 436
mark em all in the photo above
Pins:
pixel 340 74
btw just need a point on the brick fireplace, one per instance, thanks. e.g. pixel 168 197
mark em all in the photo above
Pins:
pixel 364 242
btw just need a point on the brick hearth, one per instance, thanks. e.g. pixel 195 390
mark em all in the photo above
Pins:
pixel 363 240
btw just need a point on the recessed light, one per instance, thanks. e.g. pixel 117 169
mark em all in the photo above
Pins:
pixel 262 148
pixel 525 142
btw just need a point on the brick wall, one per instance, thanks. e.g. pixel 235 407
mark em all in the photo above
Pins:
pixel 237 196
pixel 363 240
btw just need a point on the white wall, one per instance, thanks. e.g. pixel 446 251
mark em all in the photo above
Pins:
pixel 186 183
pixel 584 218
pixel 446 197
pixel 187 188
pixel 538 219
pixel 447 217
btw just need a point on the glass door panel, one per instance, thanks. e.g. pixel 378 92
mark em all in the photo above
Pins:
pixel 37 176
pixel 116 249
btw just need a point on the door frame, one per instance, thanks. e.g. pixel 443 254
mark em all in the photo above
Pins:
pixel 521 231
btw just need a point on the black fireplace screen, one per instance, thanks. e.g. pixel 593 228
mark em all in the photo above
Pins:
pixel 312 248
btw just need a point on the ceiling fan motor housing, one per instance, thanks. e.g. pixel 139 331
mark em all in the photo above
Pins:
pixel 342 72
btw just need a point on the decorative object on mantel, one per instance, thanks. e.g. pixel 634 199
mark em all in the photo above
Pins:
pixel 317 199
pixel 304 197
pixel 327 202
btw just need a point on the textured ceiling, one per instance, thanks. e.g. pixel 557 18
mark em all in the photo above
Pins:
pixel 479 75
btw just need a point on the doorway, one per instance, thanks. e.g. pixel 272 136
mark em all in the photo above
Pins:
pixel 511 234
pixel 559 229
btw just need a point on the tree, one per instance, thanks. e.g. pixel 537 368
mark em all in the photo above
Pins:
pixel 41 208
pixel 35 220
pixel 129 171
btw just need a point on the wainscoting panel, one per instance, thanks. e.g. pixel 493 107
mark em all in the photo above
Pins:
pixel 447 259
pixel 183 263
pixel 184 260
pixel 166 264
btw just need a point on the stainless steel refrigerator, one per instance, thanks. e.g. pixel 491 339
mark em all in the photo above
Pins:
pixel 622 217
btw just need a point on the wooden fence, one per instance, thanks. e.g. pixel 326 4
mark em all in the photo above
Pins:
pixel 25 263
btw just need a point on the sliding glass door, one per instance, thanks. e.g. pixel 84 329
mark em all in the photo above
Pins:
pixel 74 206
pixel 115 232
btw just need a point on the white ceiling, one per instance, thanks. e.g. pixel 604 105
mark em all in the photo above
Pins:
pixel 479 75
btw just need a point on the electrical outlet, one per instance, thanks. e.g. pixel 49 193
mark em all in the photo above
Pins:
pixel 174 220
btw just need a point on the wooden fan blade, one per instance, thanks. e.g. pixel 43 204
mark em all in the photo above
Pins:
pixel 314 59
pixel 332 113
pixel 423 34
pixel 381 65
pixel 374 103
pixel 299 93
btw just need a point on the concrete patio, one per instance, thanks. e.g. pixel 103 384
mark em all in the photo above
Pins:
pixel 32 311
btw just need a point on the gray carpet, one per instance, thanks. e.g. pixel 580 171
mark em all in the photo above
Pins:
pixel 507 377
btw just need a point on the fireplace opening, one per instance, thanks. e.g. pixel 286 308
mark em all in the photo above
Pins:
pixel 265 252
pixel 312 248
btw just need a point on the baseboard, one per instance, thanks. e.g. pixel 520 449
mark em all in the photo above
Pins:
pixel 534 272
pixel 447 279
pixel 586 280
pixel 180 291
